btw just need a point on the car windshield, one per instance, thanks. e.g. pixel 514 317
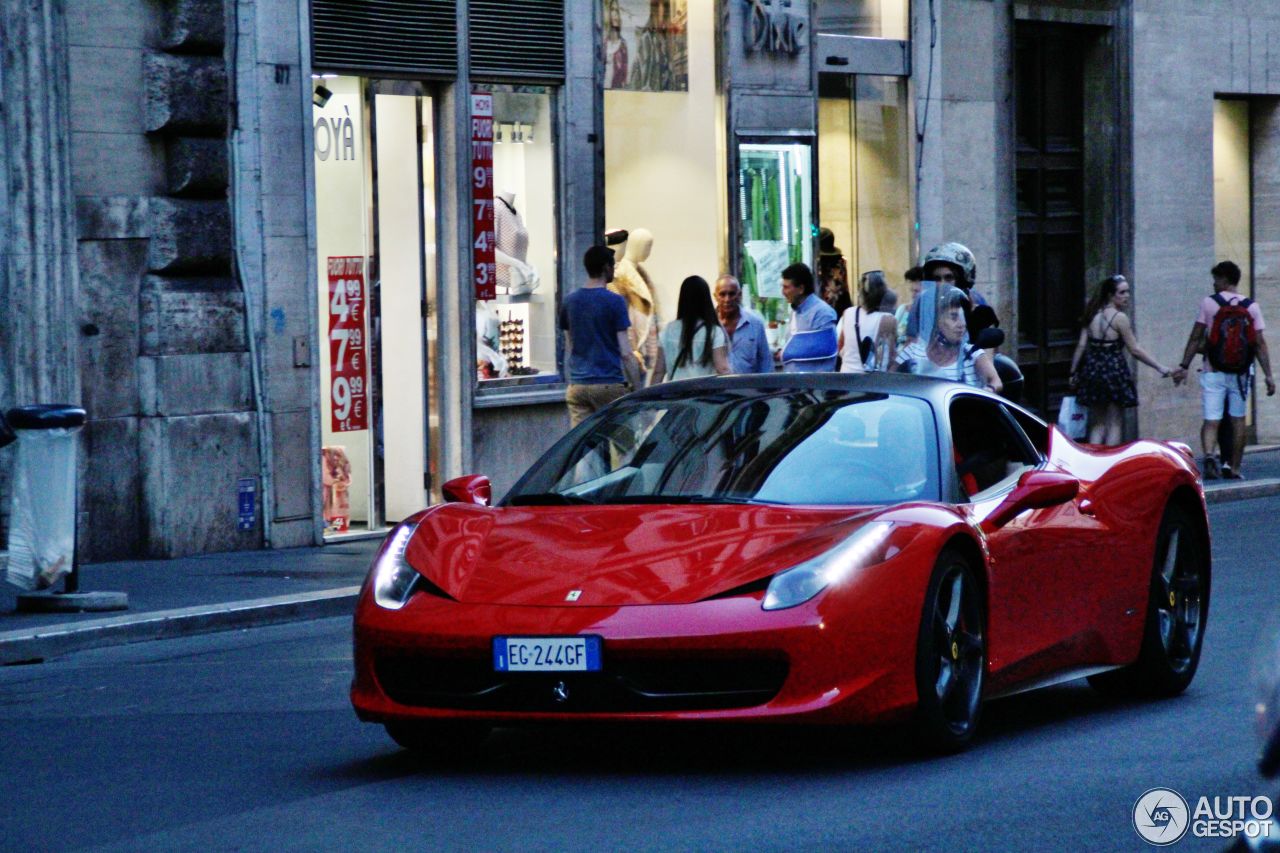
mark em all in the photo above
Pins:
pixel 810 446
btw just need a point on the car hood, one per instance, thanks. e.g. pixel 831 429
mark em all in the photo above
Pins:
pixel 616 555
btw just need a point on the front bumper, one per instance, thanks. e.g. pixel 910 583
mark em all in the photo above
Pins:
pixel 833 660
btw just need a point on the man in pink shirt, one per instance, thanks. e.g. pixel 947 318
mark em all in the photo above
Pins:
pixel 1226 384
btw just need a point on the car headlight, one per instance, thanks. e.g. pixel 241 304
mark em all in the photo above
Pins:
pixel 393 577
pixel 800 583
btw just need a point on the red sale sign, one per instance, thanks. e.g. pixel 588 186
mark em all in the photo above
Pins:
pixel 348 348
pixel 482 264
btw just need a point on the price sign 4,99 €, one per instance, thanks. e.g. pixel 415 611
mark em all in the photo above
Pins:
pixel 348 349
pixel 483 268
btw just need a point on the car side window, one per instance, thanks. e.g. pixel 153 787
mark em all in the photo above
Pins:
pixel 988 447
pixel 1037 431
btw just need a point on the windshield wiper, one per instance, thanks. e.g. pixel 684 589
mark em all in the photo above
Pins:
pixel 547 499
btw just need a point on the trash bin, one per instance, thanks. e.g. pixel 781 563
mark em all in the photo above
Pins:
pixel 42 524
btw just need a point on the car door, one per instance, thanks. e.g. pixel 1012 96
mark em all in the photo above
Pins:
pixel 1034 595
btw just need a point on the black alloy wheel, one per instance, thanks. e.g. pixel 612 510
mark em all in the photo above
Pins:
pixel 951 654
pixel 1177 608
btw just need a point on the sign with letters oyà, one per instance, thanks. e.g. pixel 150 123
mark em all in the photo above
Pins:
pixel 482 260
pixel 348 348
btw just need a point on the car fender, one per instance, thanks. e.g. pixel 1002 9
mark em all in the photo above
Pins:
pixel 875 617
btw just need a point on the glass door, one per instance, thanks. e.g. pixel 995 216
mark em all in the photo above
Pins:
pixel 404 264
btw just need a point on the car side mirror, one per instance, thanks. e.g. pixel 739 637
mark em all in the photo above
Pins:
pixel 1035 490
pixel 471 489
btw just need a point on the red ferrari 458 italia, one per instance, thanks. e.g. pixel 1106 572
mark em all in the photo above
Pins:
pixel 821 548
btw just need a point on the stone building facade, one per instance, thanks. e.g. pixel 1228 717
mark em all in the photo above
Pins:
pixel 180 174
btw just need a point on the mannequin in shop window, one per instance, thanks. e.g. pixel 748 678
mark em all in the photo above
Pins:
pixel 632 283
pixel 515 275
pixel 490 364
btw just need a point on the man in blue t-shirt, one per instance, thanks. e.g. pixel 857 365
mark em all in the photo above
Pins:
pixel 601 365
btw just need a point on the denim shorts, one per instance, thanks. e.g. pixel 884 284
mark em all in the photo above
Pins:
pixel 1217 389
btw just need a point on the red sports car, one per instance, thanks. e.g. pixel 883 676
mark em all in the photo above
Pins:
pixel 817 548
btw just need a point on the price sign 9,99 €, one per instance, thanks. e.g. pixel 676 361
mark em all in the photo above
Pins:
pixel 348 349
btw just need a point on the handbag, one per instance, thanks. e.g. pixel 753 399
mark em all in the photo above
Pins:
pixel 865 344
pixel 1073 418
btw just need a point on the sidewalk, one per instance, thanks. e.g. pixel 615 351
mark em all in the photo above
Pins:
pixel 1260 466
pixel 192 595
pixel 219 592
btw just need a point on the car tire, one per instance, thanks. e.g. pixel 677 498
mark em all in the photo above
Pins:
pixel 1177 607
pixel 951 655
pixel 436 739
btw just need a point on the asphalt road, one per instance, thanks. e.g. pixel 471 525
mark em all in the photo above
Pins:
pixel 245 741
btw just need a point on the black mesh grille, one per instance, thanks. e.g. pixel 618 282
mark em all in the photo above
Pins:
pixel 419 36
pixel 625 685
pixel 517 38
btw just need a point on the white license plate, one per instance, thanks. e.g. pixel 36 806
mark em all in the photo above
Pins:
pixel 546 654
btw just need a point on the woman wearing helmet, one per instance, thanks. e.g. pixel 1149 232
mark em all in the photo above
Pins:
pixel 947 353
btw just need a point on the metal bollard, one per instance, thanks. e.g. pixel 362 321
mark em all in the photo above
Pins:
pixel 43 528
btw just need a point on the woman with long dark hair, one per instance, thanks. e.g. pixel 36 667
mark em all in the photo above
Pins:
pixel 694 343
pixel 1099 372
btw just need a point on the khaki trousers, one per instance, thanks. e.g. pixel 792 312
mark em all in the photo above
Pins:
pixel 585 399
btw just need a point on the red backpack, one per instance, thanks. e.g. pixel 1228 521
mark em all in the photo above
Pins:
pixel 1233 341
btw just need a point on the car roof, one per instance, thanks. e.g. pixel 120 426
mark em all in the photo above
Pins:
pixel 936 391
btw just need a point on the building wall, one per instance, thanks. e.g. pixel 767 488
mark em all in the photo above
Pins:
pixel 271 149
pixel 963 105
pixel 1183 55
pixel 507 441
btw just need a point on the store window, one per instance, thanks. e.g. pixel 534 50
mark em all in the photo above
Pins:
pixel 775 192
pixel 888 19
pixel 375 251
pixel 665 161
pixel 865 184
pixel 516 311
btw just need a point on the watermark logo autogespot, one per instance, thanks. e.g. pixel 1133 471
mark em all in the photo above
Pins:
pixel 1160 816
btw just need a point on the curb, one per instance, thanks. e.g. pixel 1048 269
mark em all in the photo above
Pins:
pixel 34 645
pixel 1243 491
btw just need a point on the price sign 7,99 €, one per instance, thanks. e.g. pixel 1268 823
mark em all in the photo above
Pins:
pixel 348 349
pixel 483 269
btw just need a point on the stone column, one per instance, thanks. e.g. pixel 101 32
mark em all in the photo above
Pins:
pixel 38 273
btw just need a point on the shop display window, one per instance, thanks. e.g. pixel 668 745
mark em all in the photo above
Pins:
pixel 342 250
pixel 516 319
pixel 374 144
pixel 775 203
pixel 665 172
